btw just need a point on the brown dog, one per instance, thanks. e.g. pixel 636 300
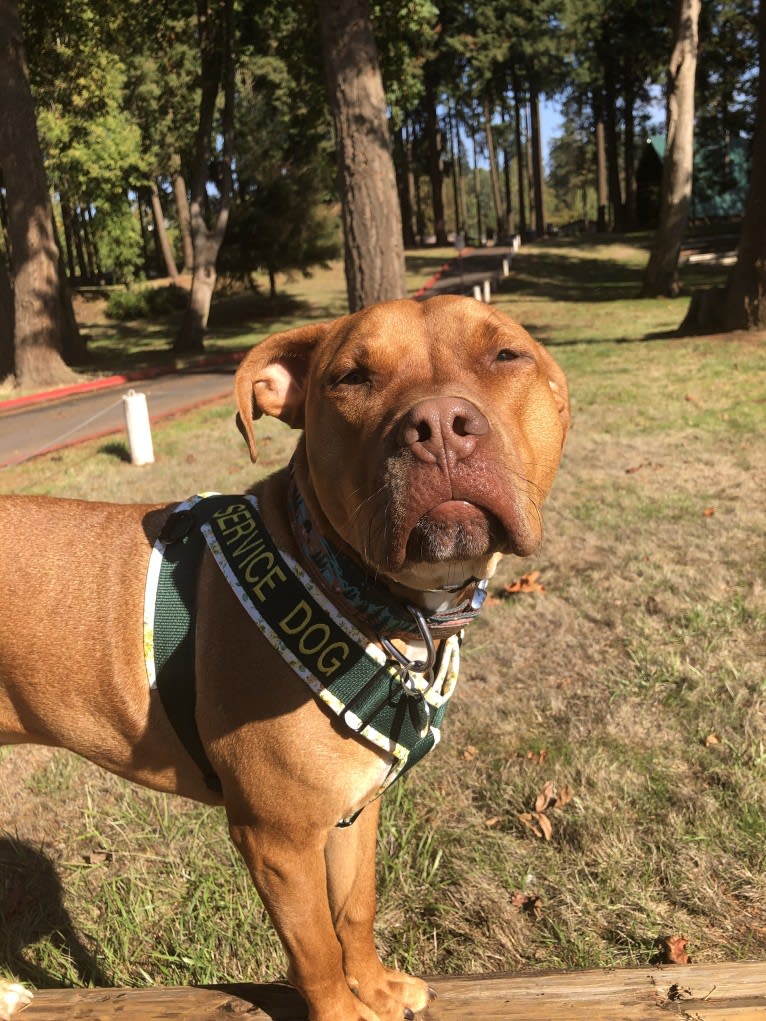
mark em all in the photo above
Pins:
pixel 432 433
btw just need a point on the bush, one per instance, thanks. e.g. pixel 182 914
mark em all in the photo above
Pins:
pixel 145 302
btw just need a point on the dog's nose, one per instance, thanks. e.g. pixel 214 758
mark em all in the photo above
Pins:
pixel 442 428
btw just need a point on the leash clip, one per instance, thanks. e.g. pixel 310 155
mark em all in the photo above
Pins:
pixel 425 666
pixel 407 667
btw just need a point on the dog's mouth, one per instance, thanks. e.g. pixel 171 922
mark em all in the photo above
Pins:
pixel 454 530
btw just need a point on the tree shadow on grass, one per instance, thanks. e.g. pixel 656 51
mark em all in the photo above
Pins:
pixel 32 909
pixel 559 278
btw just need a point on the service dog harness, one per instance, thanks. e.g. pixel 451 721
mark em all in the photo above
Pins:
pixel 378 693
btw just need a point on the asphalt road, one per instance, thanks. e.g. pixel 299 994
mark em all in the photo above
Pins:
pixel 39 428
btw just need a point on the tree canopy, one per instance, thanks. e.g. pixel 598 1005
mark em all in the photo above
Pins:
pixel 120 91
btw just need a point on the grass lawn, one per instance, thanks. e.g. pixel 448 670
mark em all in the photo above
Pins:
pixel 602 779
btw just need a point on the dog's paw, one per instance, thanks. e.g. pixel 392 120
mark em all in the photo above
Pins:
pixel 14 997
pixel 393 995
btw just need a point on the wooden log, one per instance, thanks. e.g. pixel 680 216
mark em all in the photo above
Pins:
pixel 704 992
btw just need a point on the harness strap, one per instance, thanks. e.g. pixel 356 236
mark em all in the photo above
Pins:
pixel 177 558
pixel 398 711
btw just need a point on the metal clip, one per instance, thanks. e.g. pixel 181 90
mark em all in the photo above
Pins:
pixel 425 666
pixel 479 594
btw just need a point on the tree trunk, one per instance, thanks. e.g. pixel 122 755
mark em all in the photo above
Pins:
pixel 40 292
pixel 402 167
pixel 435 164
pixel 613 163
pixel 146 248
pixel 374 254
pixel 494 174
pixel 216 44
pixel 6 324
pixel 741 304
pixel 520 161
pixel 746 287
pixel 74 221
pixel 528 168
pixel 477 191
pixel 661 275
pixel 454 159
pixel 508 212
pixel 66 219
pixel 184 220
pixel 602 192
pixel 160 231
pixel 629 160
pixel 413 188
pixel 537 162
pixel 461 162
pixel 91 248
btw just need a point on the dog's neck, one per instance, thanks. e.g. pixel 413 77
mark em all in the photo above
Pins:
pixel 379 606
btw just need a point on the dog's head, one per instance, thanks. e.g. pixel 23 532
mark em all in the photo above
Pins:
pixel 432 432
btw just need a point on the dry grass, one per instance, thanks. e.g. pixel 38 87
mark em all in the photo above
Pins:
pixel 635 681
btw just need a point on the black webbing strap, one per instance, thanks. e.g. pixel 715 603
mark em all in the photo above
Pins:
pixel 174 627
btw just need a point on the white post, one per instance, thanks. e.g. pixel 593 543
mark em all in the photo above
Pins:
pixel 487 293
pixel 477 292
pixel 139 430
pixel 506 268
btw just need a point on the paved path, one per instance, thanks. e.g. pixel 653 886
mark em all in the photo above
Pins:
pixel 28 430
pixel 38 428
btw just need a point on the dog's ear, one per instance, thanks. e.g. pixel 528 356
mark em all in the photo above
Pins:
pixel 557 381
pixel 272 379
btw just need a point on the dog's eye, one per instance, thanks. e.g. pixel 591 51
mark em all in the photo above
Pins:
pixel 355 377
pixel 505 354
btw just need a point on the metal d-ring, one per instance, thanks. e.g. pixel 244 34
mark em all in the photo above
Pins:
pixel 425 666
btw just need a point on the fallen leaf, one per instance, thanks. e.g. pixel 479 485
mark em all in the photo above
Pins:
pixel 671 950
pixel 538 824
pixel 546 798
pixel 708 512
pixel 98 856
pixel 470 753
pixel 494 820
pixel 636 468
pixel 545 825
pixel 711 740
pixel 551 797
pixel 529 903
pixel 565 796
pixel 525 584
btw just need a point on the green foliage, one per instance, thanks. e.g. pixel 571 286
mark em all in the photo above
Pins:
pixel 145 302
pixel 283 218
pixel 407 34
pixel 91 141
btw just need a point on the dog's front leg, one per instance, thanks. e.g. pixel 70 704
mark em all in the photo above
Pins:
pixel 290 875
pixel 350 856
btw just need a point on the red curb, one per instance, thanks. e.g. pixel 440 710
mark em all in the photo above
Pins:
pixel 182 409
pixel 437 276
pixel 133 376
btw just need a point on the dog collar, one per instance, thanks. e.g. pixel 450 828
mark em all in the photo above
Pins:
pixel 371 606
